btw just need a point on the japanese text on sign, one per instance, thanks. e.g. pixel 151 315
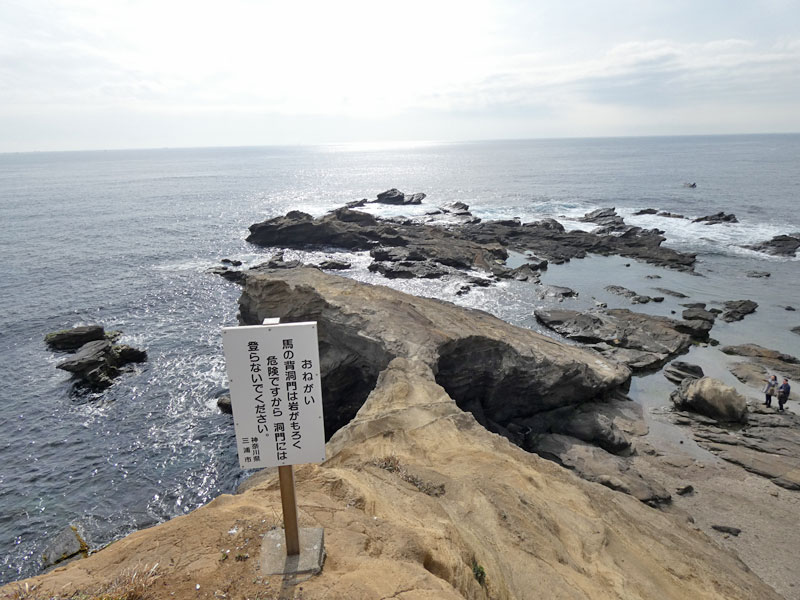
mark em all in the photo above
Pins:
pixel 275 394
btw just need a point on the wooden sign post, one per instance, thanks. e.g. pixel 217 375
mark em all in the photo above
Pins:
pixel 276 397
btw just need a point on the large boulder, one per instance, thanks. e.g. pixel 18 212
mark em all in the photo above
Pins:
pixel 736 310
pixel 712 398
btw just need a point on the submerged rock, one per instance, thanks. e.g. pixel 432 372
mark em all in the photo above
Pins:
pixel 67 545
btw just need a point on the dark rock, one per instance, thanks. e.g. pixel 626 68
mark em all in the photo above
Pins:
pixel 633 296
pixel 670 215
pixel 671 293
pixel 65 546
pixel 698 313
pixel 409 269
pixel 695 305
pixel 357 203
pixel 795 330
pixel 712 398
pixel 790 308
pixel 735 310
pixel 754 350
pixel 334 265
pixel 606 217
pixel 456 208
pixel 645 211
pixel 97 363
pixel 637 340
pixel 72 339
pixel 652 276
pixel 727 529
pixel 678 370
pixel 232 275
pixel 91 355
pixel 696 328
pixel 780 245
pixel 758 274
pixel 395 196
pixel 716 218
pixel 685 490
pixel 231 262
pixel 224 404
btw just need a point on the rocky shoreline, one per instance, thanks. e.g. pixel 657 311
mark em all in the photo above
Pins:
pixel 395 365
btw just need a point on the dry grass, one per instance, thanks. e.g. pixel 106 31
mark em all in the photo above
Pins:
pixel 130 584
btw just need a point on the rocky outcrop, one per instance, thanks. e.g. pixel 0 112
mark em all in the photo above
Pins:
pixel 67 545
pixel 780 245
pixel 607 218
pixel 523 522
pixel 477 358
pixel 96 363
pixel 710 397
pixel 469 245
pixel 640 341
pixel 717 218
pixel 395 196
pixel 736 310
pixel 764 362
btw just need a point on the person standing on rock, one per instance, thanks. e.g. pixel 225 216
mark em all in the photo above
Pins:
pixel 783 393
pixel 769 390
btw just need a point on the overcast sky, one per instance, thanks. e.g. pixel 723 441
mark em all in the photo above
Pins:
pixel 86 74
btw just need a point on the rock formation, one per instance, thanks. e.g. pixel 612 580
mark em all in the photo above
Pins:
pixel 780 245
pixel 95 363
pixel 712 398
pixel 640 341
pixel 416 491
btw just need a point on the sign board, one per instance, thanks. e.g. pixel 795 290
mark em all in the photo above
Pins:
pixel 276 394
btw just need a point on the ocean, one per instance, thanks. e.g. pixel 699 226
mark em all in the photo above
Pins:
pixel 125 239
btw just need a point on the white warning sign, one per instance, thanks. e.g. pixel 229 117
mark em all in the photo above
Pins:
pixel 276 393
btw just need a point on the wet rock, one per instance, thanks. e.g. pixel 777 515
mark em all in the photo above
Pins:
pixel 717 218
pixel 231 262
pixel 678 370
pixel 395 196
pixel 754 350
pixel 605 217
pixel 670 215
pixel 72 339
pixel 456 208
pixel 670 292
pixel 780 245
pixel 795 330
pixel 97 363
pixel 645 211
pixel 638 340
pixel 224 404
pixel 784 365
pixel 407 269
pixel 758 274
pixel 334 265
pixel 736 310
pixel 710 397
pixel 556 291
pixel 232 275
pixel 67 545
pixel 633 296
pixel 790 308
pixel 685 490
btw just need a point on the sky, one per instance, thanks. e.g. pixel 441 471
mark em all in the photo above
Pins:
pixel 88 74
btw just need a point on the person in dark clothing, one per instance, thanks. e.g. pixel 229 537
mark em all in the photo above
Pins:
pixel 769 390
pixel 783 393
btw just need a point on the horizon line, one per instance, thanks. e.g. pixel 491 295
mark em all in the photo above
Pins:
pixel 394 143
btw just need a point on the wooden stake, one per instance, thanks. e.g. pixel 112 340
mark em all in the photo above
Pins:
pixel 289 503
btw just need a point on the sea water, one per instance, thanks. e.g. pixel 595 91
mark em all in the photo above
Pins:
pixel 124 239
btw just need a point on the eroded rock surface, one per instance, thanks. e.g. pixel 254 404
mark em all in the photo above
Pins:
pixel 637 340
pixel 712 398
